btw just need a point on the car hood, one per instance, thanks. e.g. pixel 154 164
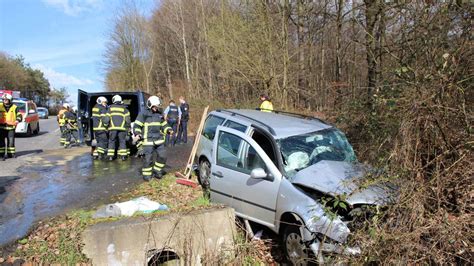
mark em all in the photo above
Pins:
pixel 342 178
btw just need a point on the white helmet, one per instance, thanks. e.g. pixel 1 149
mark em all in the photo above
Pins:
pixel 7 96
pixel 153 101
pixel 101 100
pixel 117 99
pixel 66 105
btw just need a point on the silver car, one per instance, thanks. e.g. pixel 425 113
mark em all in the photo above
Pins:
pixel 294 174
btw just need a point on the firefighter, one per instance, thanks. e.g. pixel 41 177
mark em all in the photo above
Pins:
pixel 151 127
pixel 100 122
pixel 9 118
pixel 61 118
pixel 72 134
pixel 119 118
pixel 183 125
pixel 172 116
pixel 266 105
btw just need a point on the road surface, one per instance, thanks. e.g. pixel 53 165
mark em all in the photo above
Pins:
pixel 47 180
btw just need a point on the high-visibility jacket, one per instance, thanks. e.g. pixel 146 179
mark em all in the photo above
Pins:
pixel 9 116
pixel 119 117
pixel 266 106
pixel 61 117
pixel 71 120
pixel 152 126
pixel 100 119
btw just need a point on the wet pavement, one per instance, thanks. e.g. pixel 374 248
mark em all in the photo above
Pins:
pixel 56 181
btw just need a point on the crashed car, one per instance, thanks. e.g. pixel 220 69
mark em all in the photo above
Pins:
pixel 296 175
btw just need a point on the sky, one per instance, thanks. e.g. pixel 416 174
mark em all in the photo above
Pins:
pixel 65 39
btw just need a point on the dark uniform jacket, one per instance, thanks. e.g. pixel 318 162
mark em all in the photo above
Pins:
pixel 173 113
pixel 152 127
pixel 184 111
pixel 71 120
pixel 100 120
pixel 119 117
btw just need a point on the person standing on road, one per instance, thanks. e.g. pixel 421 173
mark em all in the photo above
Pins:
pixel 100 122
pixel 9 118
pixel 71 129
pixel 61 118
pixel 172 116
pixel 183 125
pixel 266 105
pixel 119 117
pixel 151 127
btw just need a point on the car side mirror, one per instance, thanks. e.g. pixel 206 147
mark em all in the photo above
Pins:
pixel 258 173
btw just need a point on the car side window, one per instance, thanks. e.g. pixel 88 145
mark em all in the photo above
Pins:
pixel 228 150
pixel 211 125
pixel 228 154
pixel 235 125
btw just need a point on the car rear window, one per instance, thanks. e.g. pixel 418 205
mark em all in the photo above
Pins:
pixel 21 106
pixel 211 125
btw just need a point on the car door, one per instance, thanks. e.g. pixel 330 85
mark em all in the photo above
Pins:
pixel 235 156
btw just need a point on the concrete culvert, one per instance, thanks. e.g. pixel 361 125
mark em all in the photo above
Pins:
pixel 163 257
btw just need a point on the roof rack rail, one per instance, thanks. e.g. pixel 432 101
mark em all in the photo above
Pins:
pixel 299 115
pixel 272 131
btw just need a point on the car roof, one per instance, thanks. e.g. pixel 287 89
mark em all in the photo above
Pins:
pixel 280 125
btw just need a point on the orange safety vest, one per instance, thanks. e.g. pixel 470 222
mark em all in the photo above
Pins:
pixel 9 117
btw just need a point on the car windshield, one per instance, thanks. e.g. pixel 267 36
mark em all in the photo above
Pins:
pixel 301 151
pixel 20 105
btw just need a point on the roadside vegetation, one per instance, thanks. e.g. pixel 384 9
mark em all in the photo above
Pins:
pixel 396 76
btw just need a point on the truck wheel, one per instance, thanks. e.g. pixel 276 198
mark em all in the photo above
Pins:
pixel 204 173
pixel 294 247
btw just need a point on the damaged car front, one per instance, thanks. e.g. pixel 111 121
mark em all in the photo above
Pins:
pixel 326 191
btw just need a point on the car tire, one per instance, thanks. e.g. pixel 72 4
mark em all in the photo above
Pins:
pixel 294 248
pixel 204 175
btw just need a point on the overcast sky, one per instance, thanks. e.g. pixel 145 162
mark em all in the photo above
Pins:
pixel 63 38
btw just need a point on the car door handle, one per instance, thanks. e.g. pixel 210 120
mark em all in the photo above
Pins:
pixel 217 174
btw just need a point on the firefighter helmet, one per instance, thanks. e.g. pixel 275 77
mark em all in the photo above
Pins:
pixel 101 100
pixel 153 101
pixel 7 96
pixel 117 99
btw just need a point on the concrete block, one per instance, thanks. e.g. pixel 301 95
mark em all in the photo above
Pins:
pixel 196 237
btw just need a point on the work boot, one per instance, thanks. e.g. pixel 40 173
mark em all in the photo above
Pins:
pixel 95 157
pixel 67 146
pixel 123 158
pixel 147 178
pixel 159 174
pixel 110 158
pixel 4 158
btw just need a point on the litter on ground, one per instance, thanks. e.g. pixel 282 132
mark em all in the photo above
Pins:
pixel 128 208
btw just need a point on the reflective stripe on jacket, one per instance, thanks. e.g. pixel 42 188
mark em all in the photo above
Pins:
pixel 9 116
pixel 100 120
pixel 71 120
pixel 119 117
pixel 152 126
pixel 61 117
pixel 266 106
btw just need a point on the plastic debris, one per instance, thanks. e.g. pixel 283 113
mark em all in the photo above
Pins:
pixel 128 208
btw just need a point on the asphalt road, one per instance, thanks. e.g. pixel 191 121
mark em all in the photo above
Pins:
pixel 47 139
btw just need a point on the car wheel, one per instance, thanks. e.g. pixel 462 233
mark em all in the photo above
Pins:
pixel 294 247
pixel 204 173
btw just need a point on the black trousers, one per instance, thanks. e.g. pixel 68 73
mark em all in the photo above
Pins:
pixel 102 142
pixel 120 137
pixel 7 146
pixel 155 159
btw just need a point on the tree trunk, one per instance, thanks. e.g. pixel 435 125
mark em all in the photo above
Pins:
pixel 371 14
pixel 185 49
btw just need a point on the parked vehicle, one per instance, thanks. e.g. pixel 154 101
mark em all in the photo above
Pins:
pixel 43 112
pixel 294 174
pixel 30 119
pixel 135 102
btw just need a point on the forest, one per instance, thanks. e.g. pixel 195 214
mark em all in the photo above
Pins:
pixel 396 76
